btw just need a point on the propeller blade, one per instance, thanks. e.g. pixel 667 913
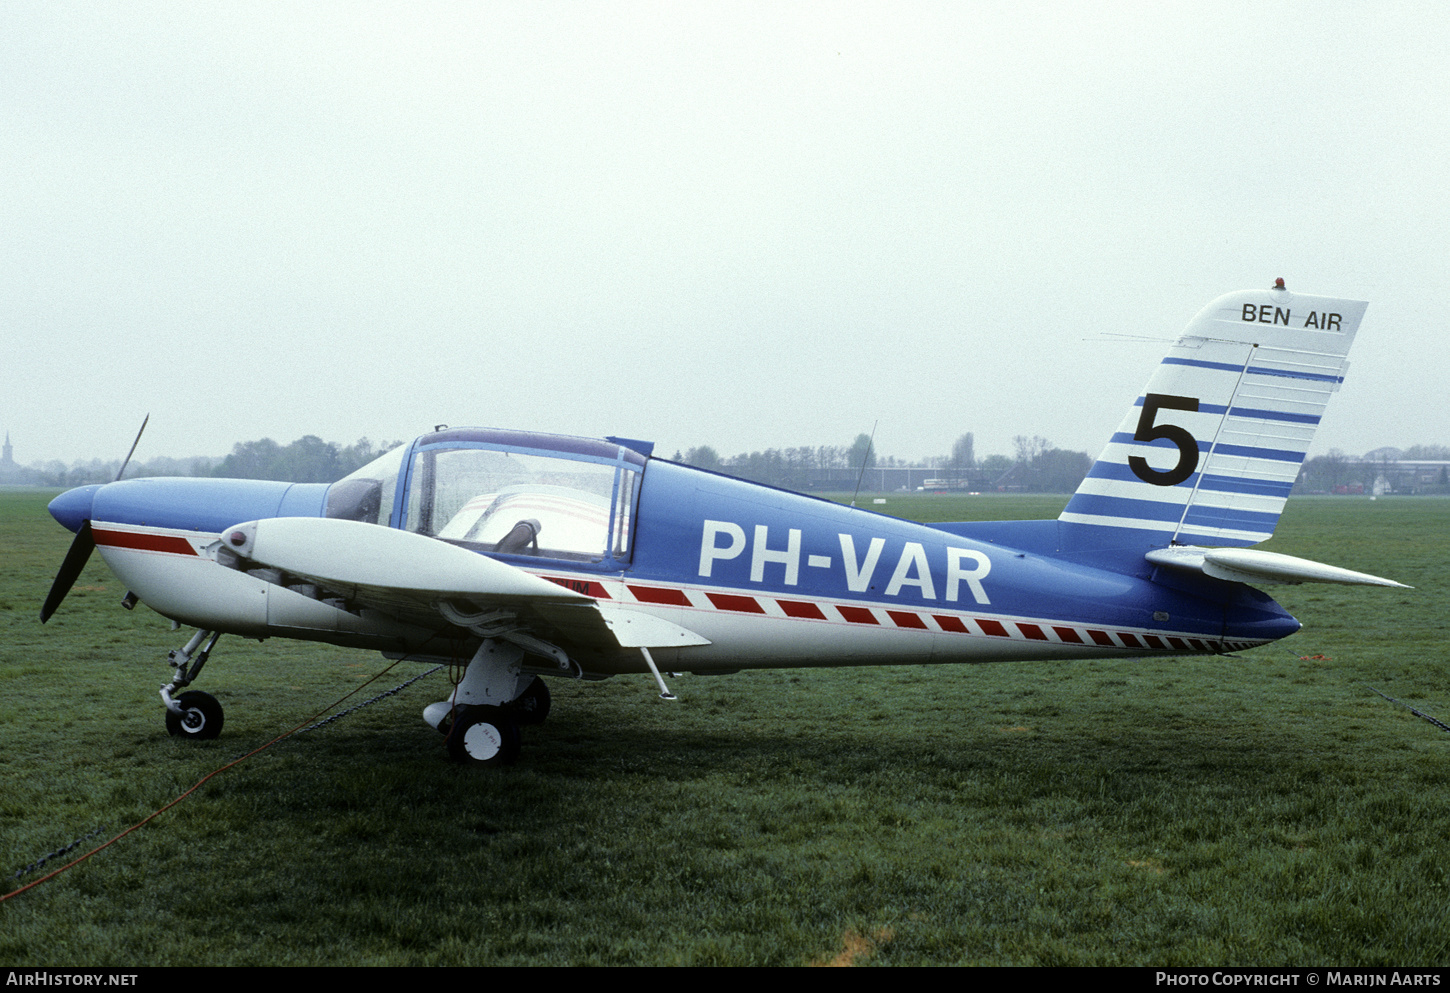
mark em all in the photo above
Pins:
pixel 132 452
pixel 84 543
pixel 70 570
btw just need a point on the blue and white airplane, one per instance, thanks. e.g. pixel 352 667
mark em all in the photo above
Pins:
pixel 533 554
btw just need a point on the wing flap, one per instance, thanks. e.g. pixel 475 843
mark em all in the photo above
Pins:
pixel 636 629
pixel 604 626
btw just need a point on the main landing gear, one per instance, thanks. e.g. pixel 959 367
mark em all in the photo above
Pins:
pixel 194 714
pixel 481 720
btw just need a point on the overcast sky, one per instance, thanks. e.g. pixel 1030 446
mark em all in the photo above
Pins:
pixel 742 225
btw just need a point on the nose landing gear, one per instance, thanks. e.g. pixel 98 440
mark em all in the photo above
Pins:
pixel 194 714
pixel 200 718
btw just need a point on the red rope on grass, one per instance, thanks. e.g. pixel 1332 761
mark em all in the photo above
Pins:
pixel 201 782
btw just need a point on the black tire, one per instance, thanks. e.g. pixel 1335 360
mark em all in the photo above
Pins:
pixel 486 736
pixel 202 720
pixel 531 706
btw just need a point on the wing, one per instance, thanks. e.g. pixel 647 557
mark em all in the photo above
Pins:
pixel 421 580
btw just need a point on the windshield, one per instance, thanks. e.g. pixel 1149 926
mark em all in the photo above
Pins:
pixel 521 503
pixel 367 494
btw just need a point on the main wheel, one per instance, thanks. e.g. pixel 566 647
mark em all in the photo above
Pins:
pixel 484 736
pixel 532 705
pixel 201 717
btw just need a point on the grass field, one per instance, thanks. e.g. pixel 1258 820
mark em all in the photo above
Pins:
pixel 1268 809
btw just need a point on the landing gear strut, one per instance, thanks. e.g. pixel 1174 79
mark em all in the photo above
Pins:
pixel 481 720
pixel 195 714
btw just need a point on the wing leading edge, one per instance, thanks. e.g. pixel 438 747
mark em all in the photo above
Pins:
pixel 415 577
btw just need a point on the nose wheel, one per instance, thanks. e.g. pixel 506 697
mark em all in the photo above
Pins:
pixel 194 714
pixel 200 718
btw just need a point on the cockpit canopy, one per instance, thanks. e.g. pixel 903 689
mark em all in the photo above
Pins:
pixel 504 492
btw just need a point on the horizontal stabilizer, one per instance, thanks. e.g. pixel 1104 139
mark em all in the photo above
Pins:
pixel 1257 567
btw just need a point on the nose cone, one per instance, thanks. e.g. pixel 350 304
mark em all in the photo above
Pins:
pixel 74 506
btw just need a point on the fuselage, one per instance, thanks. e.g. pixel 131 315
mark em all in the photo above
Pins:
pixel 769 577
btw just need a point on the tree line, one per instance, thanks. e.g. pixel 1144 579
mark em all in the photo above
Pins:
pixel 1035 465
pixel 309 459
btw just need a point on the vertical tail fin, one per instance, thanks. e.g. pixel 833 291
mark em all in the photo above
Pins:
pixel 1209 452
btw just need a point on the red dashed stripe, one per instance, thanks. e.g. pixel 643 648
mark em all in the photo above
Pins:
pixel 906 619
pixel 950 623
pixel 733 601
pixel 857 615
pixel 586 586
pixel 661 595
pixel 911 620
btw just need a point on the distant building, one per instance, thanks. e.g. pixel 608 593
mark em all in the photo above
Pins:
pixel 1379 472
pixel 12 473
pixel 1404 475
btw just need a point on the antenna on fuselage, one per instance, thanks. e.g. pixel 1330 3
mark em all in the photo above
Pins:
pixel 865 457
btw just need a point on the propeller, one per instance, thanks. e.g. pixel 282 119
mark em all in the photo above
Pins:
pixel 70 570
pixel 80 548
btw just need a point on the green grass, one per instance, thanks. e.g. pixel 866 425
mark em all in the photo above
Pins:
pixel 1260 810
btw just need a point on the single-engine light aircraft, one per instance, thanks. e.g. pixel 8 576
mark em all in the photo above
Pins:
pixel 535 554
